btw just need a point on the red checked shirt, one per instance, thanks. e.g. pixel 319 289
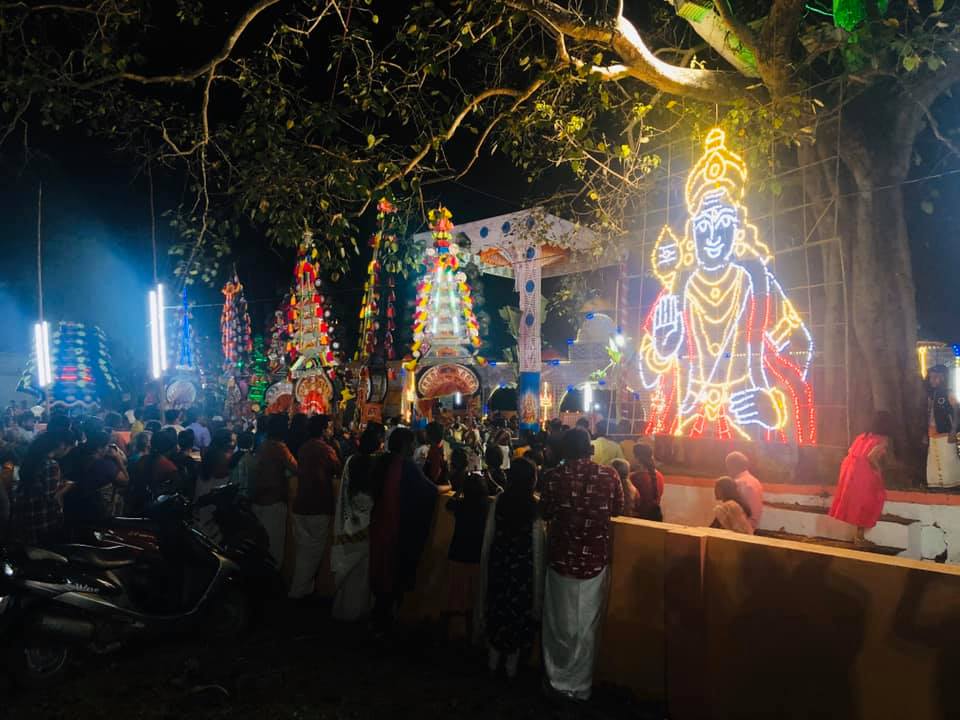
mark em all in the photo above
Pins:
pixel 579 498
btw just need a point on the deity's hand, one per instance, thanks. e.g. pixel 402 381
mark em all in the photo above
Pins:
pixel 667 326
pixel 758 406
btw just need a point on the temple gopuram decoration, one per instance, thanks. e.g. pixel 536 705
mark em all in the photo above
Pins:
pixel 311 348
pixel 446 333
pixel 723 349
pixel 82 370
pixel 444 323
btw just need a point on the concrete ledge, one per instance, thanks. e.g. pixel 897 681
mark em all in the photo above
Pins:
pixel 717 625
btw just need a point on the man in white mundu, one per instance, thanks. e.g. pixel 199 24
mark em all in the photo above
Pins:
pixel 943 465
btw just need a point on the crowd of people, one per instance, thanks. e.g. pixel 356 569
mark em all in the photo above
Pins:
pixel 531 541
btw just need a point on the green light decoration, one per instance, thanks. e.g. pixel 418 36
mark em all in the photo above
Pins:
pixel 848 14
pixel 259 373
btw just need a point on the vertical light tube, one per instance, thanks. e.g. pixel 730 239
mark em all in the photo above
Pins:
pixel 47 362
pixel 587 397
pixel 42 380
pixel 155 368
pixel 162 328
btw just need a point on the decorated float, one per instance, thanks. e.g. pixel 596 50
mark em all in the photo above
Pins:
pixel 446 333
pixel 81 369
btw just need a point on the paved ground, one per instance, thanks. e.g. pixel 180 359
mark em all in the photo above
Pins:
pixel 305 666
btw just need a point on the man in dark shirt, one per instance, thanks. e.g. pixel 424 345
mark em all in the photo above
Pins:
pixel 186 463
pixel 579 498
pixel 155 474
pixel 313 505
pixel 101 470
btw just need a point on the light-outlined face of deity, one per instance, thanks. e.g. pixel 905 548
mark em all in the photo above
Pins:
pixel 715 229
pixel 723 348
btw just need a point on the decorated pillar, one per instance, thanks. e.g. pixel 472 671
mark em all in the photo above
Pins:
pixel 527 271
pixel 236 340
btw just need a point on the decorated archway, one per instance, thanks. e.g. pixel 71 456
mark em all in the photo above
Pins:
pixel 447 379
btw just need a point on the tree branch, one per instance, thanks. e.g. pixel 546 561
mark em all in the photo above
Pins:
pixel 534 86
pixel 935 128
pixel 449 133
pixel 638 61
pixel 16 117
pixel 51 6
pixel 744 34
pixel 191 75
pixel 779 31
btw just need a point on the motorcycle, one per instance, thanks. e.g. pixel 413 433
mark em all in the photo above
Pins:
pixel 179 568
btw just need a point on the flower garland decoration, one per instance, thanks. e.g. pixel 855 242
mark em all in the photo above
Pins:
pixel 370 321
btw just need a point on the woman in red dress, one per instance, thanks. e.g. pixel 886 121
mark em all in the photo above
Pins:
pixel 860 493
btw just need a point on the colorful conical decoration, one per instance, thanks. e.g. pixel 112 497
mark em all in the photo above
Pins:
pixel 81 365
pixel 444 322
pixel 311 321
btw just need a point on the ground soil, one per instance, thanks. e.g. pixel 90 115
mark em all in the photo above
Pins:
pixel 302 665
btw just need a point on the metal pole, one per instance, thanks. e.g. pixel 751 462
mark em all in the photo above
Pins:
pixel 153 222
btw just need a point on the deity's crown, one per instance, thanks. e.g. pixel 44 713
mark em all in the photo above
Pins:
pixel 717 169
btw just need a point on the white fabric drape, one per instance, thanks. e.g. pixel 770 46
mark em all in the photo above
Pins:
pixel 274 520
pixel 310 533
pixel 943 465
pixel 350 554
pixel 573 611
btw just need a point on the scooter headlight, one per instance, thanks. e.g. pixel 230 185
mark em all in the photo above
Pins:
pixel 7 569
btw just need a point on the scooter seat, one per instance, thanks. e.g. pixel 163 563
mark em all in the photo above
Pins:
pixel 131 523
pixel 102 558
pixel 35 554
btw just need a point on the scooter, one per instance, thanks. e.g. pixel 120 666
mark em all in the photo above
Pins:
pixel 174 578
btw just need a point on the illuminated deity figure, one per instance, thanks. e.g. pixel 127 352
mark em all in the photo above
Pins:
pixel 723 348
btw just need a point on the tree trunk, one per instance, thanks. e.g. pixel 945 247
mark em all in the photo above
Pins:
pixel 876 145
